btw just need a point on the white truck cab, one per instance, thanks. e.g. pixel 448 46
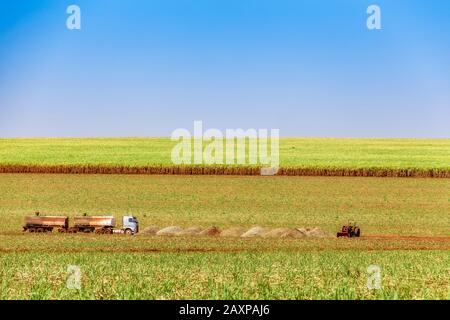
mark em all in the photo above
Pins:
pixel 130 225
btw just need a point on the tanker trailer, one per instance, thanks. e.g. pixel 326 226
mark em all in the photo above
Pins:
pixel 45 223
pixel 105 225
pixel 97 224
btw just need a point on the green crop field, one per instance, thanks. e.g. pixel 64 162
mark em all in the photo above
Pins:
pixel 413 206
pixel 405 223
pixel 408 217
pixel 271 275
pixel 294 152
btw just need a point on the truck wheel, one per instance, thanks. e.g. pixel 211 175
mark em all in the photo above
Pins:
pixel 40 230
pixel 31 230
pixel 128 232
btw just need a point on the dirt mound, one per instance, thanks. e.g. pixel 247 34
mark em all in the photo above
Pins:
pixel 276 233
pixel 284 233
pixel 191 231
pixel 211 231
pixel 319 233
pixel 303 231
pixel 314 232
pixel 239 232
pixel 233 232
pixel 169 231
pixel 254 232
pixel 293 233
pixel 151 230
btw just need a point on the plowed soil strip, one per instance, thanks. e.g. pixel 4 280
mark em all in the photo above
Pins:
pixel 407 238
pixel 210 250
pixel 389 247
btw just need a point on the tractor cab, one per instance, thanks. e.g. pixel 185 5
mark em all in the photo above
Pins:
pixel 350 230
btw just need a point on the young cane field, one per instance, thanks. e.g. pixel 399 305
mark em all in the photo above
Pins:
pixel 403 251
pixel 298 156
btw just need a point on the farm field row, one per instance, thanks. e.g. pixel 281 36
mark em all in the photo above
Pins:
pixel 84 243
pixel 404 221
pixel 298 156
pixel 212 275
pixel 40 266
pixel 395 206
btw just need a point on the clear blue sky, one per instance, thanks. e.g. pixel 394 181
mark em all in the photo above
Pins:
pixel 145 68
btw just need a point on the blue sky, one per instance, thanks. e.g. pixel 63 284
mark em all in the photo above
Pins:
pixel 145 68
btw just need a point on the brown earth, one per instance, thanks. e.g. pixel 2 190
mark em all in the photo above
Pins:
pixel 211 231
pixel 191 231
pixel 410 238
pixel 151 230
pixel 233 232
pixel 254 232
pixel 277 233
pixel 169 231
pixel 391 247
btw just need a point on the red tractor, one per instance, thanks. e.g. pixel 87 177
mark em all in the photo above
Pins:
pixel 349 231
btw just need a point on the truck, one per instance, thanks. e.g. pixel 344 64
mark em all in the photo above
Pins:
pixel 45 224
pixel 85 224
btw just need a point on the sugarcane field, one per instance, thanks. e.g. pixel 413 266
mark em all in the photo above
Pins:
pixel 267 226
pixel 227 159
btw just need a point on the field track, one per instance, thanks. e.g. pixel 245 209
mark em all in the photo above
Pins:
pixel 193 250
pixel 225 170
pixel 55 243
pixel 408 238
pixel 366 237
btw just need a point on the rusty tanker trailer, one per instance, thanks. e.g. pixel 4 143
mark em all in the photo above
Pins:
pixel 97 224
pixel 85 224
pixel 45 224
